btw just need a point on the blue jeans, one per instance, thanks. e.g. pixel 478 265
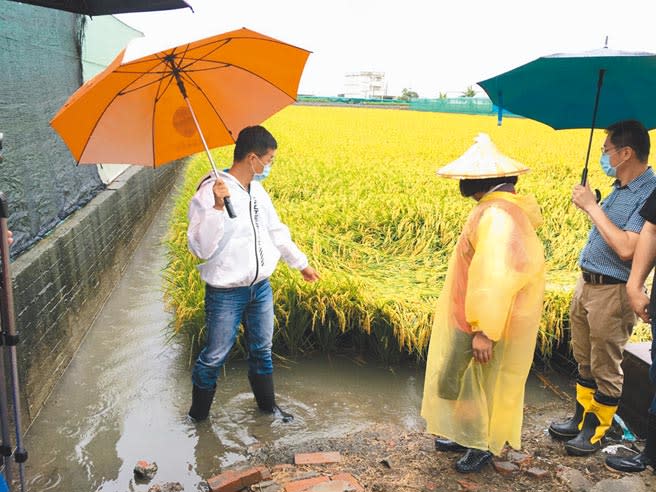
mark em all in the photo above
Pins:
pixel 224 310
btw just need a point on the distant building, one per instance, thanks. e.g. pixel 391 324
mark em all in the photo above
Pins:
pixel 365 85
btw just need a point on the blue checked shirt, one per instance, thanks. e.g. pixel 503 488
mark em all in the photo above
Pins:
pixel 622 207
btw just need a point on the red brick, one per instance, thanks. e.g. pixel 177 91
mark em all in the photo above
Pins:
pixel 300 485
pixel 317 458
pixel 523 460
pixel 347 477
pixel 468 486
pixel 537 472
pixel 225 482
pixel 234 480
pixel 265 474
pixel 504 467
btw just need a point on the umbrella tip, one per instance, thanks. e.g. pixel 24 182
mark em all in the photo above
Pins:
pixel 606 42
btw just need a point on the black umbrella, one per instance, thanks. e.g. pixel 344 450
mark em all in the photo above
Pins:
pixel 104 7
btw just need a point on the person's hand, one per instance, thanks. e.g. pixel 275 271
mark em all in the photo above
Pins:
pixel 10 237
pixel 310 274
pixel 583 197
pixel 220 190
pixel 639 301
pixel 482 347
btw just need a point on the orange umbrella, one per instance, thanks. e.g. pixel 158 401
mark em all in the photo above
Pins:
pixel 148 108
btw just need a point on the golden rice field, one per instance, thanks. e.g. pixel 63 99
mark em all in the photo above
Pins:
pixel 358 189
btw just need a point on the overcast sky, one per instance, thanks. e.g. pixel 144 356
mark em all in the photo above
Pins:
pixel 428 46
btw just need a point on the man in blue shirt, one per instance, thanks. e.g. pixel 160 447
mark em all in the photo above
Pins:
pixel 645 308
pixel 601 316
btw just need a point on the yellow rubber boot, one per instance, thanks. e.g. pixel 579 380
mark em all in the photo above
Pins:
pixel 596 422
pixel 570 428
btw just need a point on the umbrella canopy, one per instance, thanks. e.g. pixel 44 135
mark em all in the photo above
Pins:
pixel 149 109
pixel 559 90
pixel 103 7
pixel 580 90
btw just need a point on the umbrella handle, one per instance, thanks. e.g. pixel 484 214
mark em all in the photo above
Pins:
pixel 228 207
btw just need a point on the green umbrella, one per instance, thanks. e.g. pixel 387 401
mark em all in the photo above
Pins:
pixel 580 90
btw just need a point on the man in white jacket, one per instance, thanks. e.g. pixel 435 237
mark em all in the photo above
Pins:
pixel 240 254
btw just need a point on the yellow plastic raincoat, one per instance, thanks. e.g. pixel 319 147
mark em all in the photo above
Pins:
pixel 495 284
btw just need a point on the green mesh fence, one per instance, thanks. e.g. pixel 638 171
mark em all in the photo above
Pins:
pixel 469 105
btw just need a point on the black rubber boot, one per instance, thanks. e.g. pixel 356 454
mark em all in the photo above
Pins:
pixel 201 401
pixel 473 461
pixel 571 427
pixel 596 422
pixel 262 386
pixel 641 461
pixel 448 445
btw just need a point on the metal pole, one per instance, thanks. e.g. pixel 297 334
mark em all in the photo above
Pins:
pixel 10 338
pixel 183 90
pixel 600 81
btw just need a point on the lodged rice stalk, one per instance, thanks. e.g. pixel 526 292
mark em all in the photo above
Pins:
pixel 358 189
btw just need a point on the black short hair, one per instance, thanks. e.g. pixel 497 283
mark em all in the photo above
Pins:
pixel 631 133
pixel 469 187
pixel 255 139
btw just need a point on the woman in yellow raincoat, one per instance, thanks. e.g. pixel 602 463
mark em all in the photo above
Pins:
pixel 487 317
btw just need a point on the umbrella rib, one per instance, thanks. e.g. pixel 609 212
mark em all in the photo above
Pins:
pixel 158 96
pixel 157 81
pixel 264 79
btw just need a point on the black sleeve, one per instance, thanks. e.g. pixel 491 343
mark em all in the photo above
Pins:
pixel 648 210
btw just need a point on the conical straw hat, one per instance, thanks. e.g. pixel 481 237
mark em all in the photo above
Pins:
pixel 482 160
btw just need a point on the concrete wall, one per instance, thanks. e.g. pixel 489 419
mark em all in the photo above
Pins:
pixel 62 282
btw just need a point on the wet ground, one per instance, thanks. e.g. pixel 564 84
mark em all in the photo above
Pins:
pixel 125 396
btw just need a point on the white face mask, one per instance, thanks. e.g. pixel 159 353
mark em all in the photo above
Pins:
pixel 265 172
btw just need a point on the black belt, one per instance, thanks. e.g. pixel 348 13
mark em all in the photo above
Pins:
pixel 599 279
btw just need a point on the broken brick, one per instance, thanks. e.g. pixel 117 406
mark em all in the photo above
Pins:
pixel 505 467
pixel 537 472
pixel 234 480
pixel 301 485
pixel 317 458
pixel 347 477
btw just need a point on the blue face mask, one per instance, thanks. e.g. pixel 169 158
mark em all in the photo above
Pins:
pixel 606 166
pixel 265 172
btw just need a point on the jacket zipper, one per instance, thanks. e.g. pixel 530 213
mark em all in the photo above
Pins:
pixel 257 262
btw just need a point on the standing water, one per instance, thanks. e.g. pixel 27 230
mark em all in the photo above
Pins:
pixel 126 393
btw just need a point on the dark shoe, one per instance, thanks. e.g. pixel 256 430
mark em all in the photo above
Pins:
pixel 262 386
pixel 569 429
pixel 201 401
pixel 473 461
pixel 641 461
pixel 636 463
pixel 448 445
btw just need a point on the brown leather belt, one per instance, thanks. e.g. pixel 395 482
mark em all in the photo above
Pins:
pixel 599 279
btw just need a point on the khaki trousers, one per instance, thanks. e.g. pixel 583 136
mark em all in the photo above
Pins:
pixel 601 322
